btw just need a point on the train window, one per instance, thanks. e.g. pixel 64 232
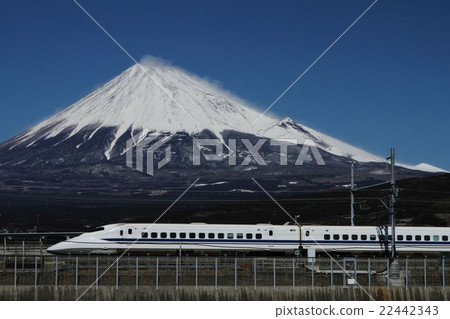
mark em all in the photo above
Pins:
pixel 144 235
pixel 201 235
pixel 336 236
pixel 381 237
pixel 130 231
pixel 399 237
pixel 345 237
pixel 191 235
pixel 121 233
pixel 258 236
pixel 363 237
pixel 154 235
pixel 270 232
pixel 326 236
pixel 418 237
pixel 307 233
pixel 221 235
pixel 249 236
pixel 373 237
pixel 354 237
pixel 240 236
pixel 435 237
pixel 444 238
pixel 230 235
pixel 390 237
pixel 173 235
pixel 409 237
pixel 182 235
pixel 426 237
pixel 211 235
pixel 163 235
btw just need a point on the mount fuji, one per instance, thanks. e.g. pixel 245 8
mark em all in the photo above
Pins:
pixel 83 147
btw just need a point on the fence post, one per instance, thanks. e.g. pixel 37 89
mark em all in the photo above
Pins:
pixel 425 272
pixel 274 274
pixel 293 273
pixel 388 271
pixel 4 253
pixel 35 272
pixel 56 271
pixel 117 274
pixel 312 271
pixel 216 274
pixel 196 272
pixel 96 272
pixel 443 271
pixel 331 273
pixel 137 272
pixel 254 273
pixel 76 272
pixel 157 273
pixel 369 272
pixel 235 273
pixel 176 274
pixel 15 272
pixel 23 255
pixel 406 270
pixel 40 246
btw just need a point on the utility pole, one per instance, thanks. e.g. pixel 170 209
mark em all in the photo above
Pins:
pixel 352 196
pixel 392 203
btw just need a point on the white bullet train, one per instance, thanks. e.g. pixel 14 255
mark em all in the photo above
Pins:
pixel 259 238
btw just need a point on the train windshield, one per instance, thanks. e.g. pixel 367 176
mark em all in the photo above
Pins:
pixel 96 229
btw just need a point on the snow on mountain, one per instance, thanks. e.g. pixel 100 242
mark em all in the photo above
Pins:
pixel 145 100
pixel 424 167
pixel 287 128
pixel 133 100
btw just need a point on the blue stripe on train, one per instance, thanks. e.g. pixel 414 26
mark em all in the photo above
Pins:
pixel 238 241
pixel 264 241
pixel 373 242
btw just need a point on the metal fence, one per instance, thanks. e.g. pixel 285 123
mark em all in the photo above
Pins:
pixel 171 271
pixel 28 244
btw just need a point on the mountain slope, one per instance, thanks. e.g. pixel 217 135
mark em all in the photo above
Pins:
pixel 164 100
pixel 133 101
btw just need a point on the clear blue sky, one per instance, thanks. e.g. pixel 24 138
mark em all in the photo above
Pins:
pixel 385 83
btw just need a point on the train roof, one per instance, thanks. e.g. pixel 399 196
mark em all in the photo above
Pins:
pixel 109 226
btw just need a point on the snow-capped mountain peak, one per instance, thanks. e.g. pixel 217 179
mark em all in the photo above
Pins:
pixel 165 99
pixel 135 100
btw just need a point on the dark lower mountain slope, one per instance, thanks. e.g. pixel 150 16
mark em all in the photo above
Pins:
pixel 422 201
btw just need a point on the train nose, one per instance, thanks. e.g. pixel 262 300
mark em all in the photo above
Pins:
pixel 57 249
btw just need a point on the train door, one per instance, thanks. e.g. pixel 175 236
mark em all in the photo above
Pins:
pixel 129 232
pixel 383 238
pixel 298 251
pixel 271 237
